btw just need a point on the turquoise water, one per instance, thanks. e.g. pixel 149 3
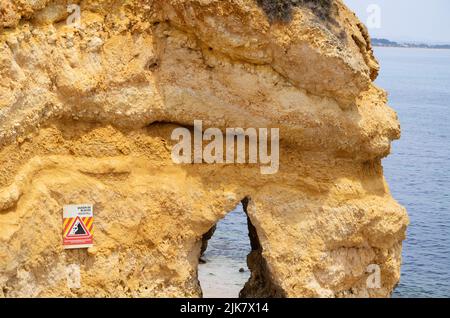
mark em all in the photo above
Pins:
pixel 418 172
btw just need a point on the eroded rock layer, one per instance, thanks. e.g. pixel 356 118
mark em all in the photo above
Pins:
pixel 86 116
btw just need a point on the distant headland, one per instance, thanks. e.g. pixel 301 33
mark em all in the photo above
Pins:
pixel 388 43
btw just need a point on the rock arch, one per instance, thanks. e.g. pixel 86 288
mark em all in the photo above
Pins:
pixel 86 116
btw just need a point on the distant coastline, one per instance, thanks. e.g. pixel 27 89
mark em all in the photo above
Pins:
pixel 388 43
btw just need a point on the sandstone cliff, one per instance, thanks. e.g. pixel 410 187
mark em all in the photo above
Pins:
pixel 86 115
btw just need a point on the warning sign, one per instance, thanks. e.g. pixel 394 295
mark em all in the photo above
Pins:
pixel 78 221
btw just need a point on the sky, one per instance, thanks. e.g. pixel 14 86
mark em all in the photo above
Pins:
pixel 405 20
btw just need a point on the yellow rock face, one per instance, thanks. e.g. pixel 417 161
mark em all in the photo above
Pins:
pixel 86 116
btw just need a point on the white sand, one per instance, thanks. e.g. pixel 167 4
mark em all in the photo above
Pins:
pixel 220 277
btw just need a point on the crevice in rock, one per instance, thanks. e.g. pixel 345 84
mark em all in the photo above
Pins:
pixel 260 284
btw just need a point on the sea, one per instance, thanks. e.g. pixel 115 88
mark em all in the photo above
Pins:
pixel 417 171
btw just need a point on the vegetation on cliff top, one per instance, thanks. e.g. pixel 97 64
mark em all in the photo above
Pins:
pixel 282 10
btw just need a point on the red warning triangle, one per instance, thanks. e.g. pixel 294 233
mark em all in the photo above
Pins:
pixel 78 229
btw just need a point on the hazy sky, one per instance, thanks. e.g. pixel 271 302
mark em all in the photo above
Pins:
pixel 407 20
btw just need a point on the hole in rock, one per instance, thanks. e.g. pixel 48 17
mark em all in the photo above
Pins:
pixel 226 250
pixel 223 267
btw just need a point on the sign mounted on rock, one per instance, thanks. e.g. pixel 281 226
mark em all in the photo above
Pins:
pixel 78 221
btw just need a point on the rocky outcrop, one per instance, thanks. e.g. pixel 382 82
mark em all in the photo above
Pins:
pixel 86 116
